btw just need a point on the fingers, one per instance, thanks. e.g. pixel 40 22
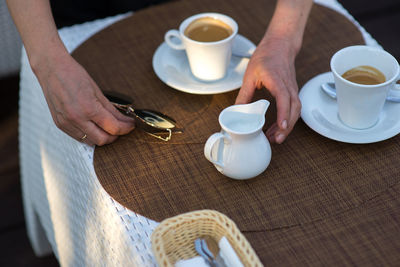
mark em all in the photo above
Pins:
pixel 288 113
pixel 92 121
pixel 77 135
pixel 270 133
pixel 107 121
pixel 283 105
pixel 83 130
pixel 278 132
pixel 287 102
pixel 101 126
pixel 96 135
pixel 281 133
pixel 246 92
pixel 102 113
pixel 108 106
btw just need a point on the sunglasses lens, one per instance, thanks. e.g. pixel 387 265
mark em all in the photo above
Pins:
pixel 152 122
pixel 155 119
pixel 117 98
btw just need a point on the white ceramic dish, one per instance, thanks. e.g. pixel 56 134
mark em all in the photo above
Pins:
pixel 172 67
pixel 320 113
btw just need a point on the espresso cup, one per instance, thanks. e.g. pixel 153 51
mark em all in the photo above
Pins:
pixel 209 56
pixel 360 105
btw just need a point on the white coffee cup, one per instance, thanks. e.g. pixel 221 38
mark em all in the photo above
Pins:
pixel 360 105
pixel 209 61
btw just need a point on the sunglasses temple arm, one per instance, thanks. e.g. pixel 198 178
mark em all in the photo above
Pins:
pixel 166 139
pixel 125 108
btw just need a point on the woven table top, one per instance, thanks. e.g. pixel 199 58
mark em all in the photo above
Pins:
pixel 319 202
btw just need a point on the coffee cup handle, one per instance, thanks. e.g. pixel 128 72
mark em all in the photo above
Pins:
pixel 208 148
pixel 396 85
pixel 168 39
pixel 395 90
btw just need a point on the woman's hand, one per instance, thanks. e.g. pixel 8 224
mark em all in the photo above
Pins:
pixel 77 105
pixel 272 67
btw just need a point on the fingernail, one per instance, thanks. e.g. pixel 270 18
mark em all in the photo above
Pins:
pixel 284 124
pixel 280 138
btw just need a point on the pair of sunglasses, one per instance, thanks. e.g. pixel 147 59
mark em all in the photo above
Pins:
pixel 151 122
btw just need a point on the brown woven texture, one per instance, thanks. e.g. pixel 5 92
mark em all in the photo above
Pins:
pixel 320 202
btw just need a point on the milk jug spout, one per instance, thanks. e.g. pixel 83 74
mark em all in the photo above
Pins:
pixel 259 107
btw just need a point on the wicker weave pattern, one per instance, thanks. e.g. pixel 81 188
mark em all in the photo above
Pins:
pixel 173 239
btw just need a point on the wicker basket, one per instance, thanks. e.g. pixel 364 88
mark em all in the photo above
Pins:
pixel 173 239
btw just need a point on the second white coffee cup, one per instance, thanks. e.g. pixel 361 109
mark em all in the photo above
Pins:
pixel 360 105
pixel 209 61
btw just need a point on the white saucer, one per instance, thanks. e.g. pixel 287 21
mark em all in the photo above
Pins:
pixel 319 112
pixel 172 67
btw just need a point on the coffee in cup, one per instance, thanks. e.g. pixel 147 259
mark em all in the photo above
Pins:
pixel 208 29
pixel 207 39
pixel 367 75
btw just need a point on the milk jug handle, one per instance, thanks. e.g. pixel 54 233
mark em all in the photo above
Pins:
pixel 208 148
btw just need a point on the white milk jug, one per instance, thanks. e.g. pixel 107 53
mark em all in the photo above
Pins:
pixel 241 150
